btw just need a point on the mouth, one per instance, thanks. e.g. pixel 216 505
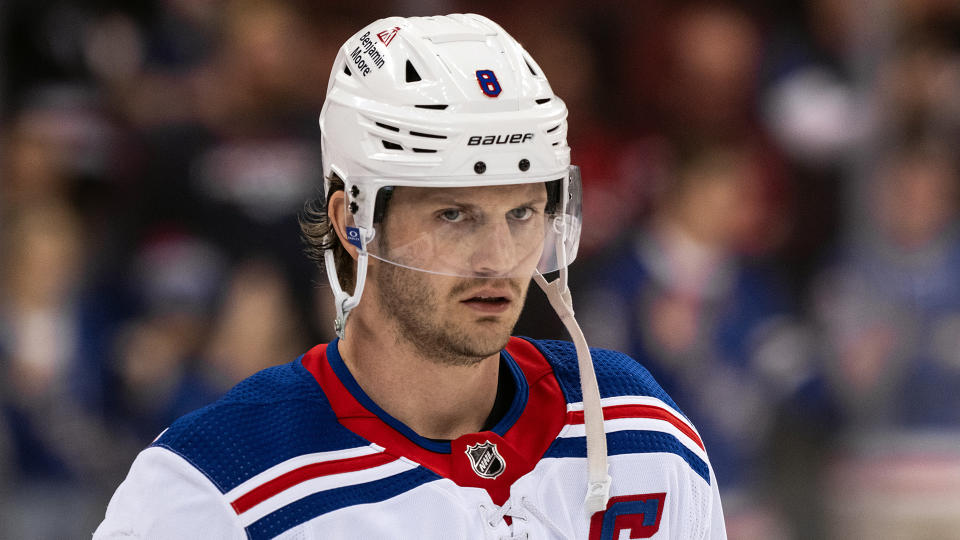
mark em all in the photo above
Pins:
pixel 488 301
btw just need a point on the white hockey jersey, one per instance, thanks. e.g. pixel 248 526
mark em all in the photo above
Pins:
pixel 299 451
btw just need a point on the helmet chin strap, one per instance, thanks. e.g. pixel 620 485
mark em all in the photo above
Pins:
pixel 598 477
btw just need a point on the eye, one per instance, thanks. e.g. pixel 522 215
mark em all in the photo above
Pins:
pixel 521 214
pixel 451 215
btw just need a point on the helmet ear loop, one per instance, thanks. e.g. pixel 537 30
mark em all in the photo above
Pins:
pixel 344 301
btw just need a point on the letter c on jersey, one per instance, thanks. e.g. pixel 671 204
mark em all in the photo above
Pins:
pixel 628 516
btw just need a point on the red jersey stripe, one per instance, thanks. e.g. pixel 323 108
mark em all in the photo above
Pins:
pixel 640 411
pixel 308 472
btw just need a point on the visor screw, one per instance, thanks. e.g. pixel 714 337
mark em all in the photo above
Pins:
pixel 354 191
pixel 479 167
pixel 354 207
pixel 524 164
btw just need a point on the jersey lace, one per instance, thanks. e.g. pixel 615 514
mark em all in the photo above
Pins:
pixel 519 514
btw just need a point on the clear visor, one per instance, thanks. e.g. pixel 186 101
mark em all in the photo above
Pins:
pixel 498 231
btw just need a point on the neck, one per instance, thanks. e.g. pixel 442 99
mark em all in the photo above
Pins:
pixel 437 398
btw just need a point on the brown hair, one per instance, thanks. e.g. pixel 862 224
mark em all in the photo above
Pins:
pixel 319 235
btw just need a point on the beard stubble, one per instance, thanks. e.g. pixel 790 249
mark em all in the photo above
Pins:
pixel 410 299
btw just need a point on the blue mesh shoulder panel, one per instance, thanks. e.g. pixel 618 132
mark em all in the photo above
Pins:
pixel 617 373
pixel 274 415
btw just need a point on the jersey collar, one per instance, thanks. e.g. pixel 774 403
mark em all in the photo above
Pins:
pixel 346 378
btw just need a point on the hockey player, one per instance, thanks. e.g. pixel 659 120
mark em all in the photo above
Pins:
pixel 448 186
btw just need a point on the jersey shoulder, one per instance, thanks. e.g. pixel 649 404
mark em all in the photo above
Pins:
pixel 617 374
pixel 274 452
pixel 272 416
pixel 640 418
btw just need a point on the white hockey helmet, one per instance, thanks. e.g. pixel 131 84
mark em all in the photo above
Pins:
pixel 445 102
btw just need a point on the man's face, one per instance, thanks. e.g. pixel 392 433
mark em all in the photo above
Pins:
pixel 479 247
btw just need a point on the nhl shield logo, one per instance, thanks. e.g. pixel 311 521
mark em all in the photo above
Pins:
pixel 485 459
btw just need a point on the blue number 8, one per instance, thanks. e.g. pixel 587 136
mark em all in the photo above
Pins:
pixel 488 82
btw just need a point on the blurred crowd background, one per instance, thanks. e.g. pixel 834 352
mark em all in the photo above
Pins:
pixel 771 227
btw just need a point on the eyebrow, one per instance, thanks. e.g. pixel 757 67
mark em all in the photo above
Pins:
pixel 443 199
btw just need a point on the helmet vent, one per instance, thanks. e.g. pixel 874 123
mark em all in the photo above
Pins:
pixel 386 126
pixel 541 101
pixel 433 107
pixel 554 128
pixel 412 75
pixel 532 71
pixel 347 71
pixel 428 135
pixel 424 150
pixel 391 145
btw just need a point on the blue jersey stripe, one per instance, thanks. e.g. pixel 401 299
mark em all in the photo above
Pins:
pixel 318 504
pixel 632 442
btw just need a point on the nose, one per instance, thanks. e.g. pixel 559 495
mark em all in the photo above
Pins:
pixel 494 251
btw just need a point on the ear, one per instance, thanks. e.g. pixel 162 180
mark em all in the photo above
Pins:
pixel 337 212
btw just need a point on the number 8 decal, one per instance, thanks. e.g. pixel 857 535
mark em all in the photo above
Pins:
pixel 488 82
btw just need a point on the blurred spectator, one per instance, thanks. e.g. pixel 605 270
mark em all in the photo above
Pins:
pixel 257 326
pixel 178 280
pixel 237 154
pixel 811 102
pixel 710 81
pixel 921 87
pixel 889 303
pixel 40 284
pixel 711 326
pixel 204 326
pixel 890 314
pixel 56 146
pixel 51 384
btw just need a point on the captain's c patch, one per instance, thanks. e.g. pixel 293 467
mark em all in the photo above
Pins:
pixel 628 516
